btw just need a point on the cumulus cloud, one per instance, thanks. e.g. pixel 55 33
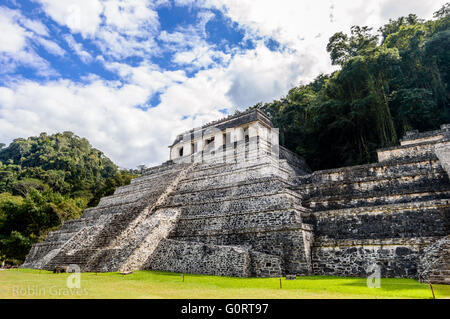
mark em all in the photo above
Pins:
pixel 305 26
pixel 134 118
pixel 81 16
pixel 16 46
pixel 189 45
pixel 261 75
pixel 15 41
pixel 120 28
pixel 103 112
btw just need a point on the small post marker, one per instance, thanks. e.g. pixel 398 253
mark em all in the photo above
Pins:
pixel 432 291
pixel 182 277
pixel 281 286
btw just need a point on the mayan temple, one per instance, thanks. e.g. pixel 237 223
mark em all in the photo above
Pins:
pixel 230 201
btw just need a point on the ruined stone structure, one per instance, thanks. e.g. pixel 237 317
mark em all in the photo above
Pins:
pixel 232 202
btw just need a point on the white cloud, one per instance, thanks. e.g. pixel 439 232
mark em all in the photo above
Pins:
pixel 189 45
pixel 120 28
pixel 289 20
pixel 81 16
pixel 16 39
pixel 149 77
pixel 422 8
pixel 129 29
pixel 51 46
pixel 15 47
pixel 131 17
pixel 101 111
pixel 305 26
pixel 116 116
pixel 78 48
pixel 36 26
pixel 264 75
pixel 200 56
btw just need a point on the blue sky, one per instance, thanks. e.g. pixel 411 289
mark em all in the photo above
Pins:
pixel 130 75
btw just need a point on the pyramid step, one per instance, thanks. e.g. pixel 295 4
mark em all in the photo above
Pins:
pixel 272 218
pixel 376 184
pixel 383 169
pixel 377 198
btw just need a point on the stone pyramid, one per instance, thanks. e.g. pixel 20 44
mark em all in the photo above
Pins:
pixel 232 202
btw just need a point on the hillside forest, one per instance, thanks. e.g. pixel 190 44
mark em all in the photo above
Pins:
pixel 388 82
pixel 45 181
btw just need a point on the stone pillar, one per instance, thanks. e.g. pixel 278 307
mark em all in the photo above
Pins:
pixel 173 153
pixel 230 151
pixel 308 239
pixel 442 151
pixel 218 146
pixel 240 144
pixel 212 132
pixel 186 148
pixel 239 133
pixel 254 131
pixel 274 138
pixel 198 156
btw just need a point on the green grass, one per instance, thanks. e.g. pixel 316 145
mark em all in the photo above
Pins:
pixel 26 283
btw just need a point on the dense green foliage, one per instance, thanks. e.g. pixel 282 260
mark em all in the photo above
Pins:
pixel 45 181
pixel 388 83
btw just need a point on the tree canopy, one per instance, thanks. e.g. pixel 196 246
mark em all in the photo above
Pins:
pixel 45 181
pixel 388 83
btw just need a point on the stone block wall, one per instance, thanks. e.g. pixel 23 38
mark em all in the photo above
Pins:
pixel 293 160
pixel 425 148
pixel 382 214
pixel 420 219
pixel 221 260
pixel 264 265
pixel 434 263
pixel 394 257
pixel 198 258
pixel 443 153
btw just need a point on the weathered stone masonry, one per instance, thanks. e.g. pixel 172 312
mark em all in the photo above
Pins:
pixel 388 213
pixel 232 202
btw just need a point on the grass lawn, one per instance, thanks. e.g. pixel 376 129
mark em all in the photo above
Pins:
pixel 26 283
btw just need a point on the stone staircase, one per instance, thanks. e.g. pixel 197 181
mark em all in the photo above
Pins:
pixel 107 236
pixel 248 205
pixel 220 215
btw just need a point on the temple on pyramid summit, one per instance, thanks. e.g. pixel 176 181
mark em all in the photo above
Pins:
pixel 231 201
